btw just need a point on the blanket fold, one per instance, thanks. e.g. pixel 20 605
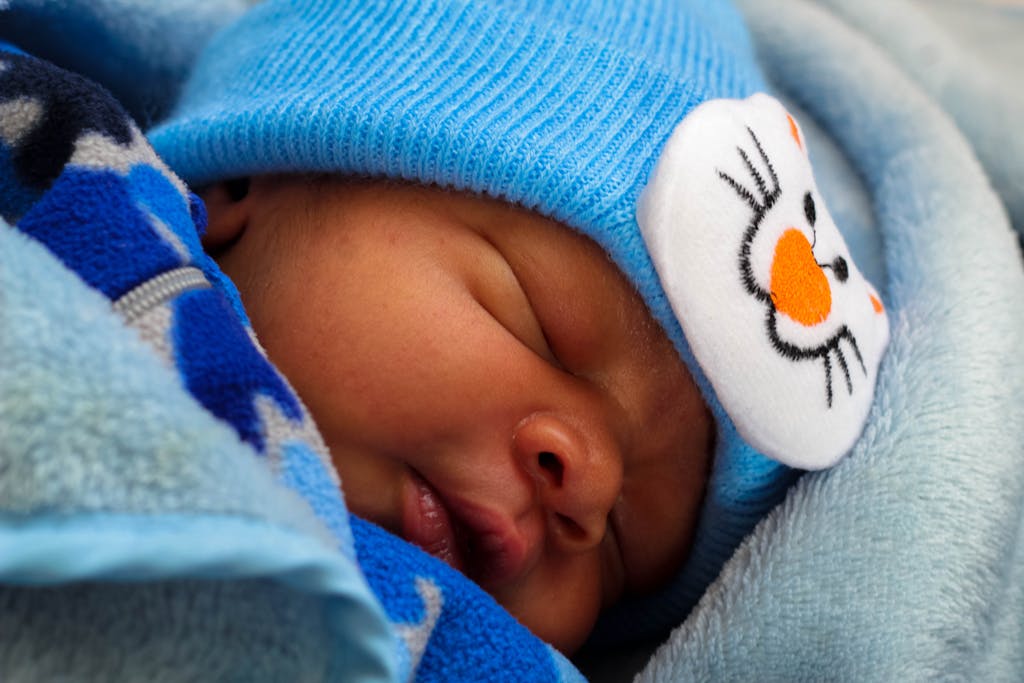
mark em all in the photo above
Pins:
pixel 906 561
pixel 168 511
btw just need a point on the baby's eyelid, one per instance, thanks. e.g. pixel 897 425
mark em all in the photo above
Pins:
pixel 550 354
pixel 545 350
pixel 542 346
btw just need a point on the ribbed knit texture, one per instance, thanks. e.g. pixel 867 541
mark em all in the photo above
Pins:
pixel 559 107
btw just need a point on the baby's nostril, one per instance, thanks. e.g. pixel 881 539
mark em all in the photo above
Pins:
pixel 840 269
pixel 550 463
pixel 570 528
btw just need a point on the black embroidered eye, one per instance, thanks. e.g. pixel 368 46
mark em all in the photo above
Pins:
pixel 809 209
pixel 840 269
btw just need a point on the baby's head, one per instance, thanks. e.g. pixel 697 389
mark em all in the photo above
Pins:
pixel 490 386
pixel 511 258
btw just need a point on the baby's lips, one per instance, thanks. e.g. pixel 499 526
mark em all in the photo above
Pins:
pixel 426 523
pixel 499 552
pixel 481 542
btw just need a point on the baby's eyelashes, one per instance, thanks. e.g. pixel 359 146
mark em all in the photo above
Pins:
pixel 498 289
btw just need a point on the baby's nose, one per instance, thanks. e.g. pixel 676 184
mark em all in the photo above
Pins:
pixel 578 478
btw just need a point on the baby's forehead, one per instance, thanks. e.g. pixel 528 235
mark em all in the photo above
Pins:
pixel 494 218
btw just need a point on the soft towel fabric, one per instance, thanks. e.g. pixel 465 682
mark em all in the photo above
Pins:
pixel 974 74
pixel 905 562
pixel 97 38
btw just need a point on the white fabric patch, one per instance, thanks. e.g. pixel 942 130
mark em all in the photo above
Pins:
pixel 416 636
pixel 18 117
pixel 784 326
pixel 95 150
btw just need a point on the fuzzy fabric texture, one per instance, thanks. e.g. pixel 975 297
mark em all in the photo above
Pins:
pixel 906 561
pixel 156 466
pixel 902 563
pixel 962 54
pixel 99 37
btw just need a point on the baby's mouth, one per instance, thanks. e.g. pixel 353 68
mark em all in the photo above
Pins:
pixel 480 543
pixel 427 523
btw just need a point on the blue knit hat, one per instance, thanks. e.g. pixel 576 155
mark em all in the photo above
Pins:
pixel 632 122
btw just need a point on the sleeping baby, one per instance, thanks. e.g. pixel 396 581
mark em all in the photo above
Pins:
pixel 554 282
pixel 449 244
pixel 489 385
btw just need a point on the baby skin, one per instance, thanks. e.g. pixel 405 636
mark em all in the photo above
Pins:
pixel 490 386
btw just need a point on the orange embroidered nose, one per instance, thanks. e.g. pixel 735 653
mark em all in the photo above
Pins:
pixel 799 287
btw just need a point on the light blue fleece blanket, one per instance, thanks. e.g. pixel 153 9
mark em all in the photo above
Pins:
pixel 905 562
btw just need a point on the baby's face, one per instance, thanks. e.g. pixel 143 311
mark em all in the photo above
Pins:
pixel 490 386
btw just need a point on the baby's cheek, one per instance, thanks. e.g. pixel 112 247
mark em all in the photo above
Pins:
pixel 559 601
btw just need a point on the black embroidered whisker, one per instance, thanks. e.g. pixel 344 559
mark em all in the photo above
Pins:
pixel 745 194
pixel 767 162
pixel 842 364
pixel 828 380
pixel 758 180
pixel 856 349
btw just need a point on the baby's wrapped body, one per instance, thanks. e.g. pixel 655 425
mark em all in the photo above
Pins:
pixel 420 236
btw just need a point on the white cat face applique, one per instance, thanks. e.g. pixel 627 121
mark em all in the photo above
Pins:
pixel 786 329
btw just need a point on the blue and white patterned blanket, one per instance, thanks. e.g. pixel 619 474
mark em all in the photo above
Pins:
pixel 155 463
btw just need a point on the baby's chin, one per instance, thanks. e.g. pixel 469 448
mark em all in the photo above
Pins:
pixel 559 616
pixel 423 518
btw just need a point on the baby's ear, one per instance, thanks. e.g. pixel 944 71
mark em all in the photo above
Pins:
pixel 228 205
